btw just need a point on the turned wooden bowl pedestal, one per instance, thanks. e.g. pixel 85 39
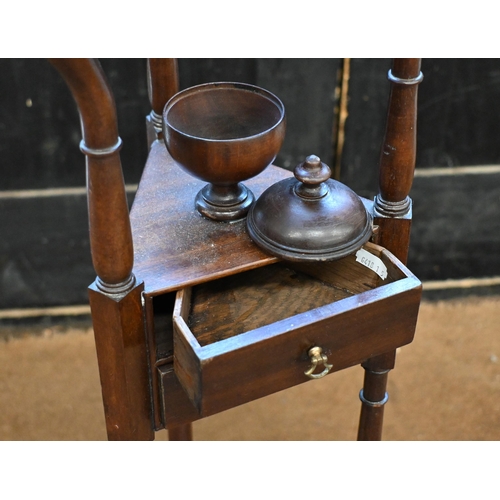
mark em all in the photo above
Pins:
pixel 224 133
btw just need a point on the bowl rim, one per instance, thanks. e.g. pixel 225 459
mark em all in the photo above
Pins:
pixel 222 85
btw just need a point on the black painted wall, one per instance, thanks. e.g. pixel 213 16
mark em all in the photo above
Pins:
pixel 44 255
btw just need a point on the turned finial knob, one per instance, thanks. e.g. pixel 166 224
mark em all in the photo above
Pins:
pixel 312 174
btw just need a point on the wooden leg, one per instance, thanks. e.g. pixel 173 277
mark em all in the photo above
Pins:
pixel 374 396
pixel 181 433
pixel 123 366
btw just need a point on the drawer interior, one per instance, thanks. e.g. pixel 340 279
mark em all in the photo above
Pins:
pixel 240 303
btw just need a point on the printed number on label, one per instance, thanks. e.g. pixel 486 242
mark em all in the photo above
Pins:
pixel 371 262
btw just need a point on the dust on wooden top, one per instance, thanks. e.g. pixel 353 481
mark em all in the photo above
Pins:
pixel 174 246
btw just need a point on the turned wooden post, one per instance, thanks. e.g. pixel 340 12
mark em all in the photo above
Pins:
pixel 115 296
pixel 163 83
pixel 392 215
pixel 392 211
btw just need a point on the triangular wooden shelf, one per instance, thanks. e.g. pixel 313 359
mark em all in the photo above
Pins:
pixel 174 246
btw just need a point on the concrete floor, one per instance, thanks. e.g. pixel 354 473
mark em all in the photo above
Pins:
pixel 445 387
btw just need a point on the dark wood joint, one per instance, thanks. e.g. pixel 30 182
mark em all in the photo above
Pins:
pixel 373 396
pixel 152 133
pixel 381 363
pixel 393 233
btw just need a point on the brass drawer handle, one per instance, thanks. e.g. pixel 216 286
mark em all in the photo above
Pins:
pixel 317 357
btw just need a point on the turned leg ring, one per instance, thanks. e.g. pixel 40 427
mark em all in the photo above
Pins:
pixel 373 404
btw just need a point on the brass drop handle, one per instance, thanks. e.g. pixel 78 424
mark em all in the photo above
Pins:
pixel 317 357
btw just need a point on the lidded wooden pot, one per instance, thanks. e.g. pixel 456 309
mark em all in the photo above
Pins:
pixel 309 217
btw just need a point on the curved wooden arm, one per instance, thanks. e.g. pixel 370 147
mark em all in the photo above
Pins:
pixel 397 159
pixel 109 222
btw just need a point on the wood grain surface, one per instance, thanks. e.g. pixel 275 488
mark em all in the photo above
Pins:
pixel 174 245
pixel 239 303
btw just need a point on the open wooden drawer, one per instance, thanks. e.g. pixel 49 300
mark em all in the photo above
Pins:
pixel 248 335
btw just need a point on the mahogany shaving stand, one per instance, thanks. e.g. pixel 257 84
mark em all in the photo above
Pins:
pixel 178 299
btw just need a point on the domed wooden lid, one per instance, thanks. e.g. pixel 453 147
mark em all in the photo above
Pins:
pixel 310 217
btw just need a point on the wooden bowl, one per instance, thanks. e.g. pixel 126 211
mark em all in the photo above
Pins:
pixel 224 133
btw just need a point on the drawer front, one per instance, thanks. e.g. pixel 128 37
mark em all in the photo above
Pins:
pixel 272 358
